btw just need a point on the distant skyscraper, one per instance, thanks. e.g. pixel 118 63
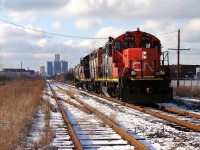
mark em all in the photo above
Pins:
pixel 57 67
pixel 49 68
pixel 64 66
pixel 42 70
pixel 57 57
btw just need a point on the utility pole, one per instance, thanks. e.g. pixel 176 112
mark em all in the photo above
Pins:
pixel 178 59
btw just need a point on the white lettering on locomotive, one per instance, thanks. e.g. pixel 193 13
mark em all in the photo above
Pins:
pixel 145 65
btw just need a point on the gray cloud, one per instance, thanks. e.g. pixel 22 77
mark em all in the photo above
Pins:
pixel 22 5
pixel 133 9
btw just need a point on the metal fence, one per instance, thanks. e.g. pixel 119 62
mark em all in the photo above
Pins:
pixel 186 83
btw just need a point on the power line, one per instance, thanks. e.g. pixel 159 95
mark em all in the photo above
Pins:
pixel 64 35
pixel 178 59
pixel 194 48
pixel 45 32
pixel 166 33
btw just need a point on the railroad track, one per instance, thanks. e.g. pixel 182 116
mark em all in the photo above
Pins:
pixel 91 132
pixel 187 116
pixel 61 127
pixel 183 116
pixel 165 130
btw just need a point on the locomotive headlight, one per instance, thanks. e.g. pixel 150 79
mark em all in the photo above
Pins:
pixel 133 73
pixel 144 55
pixel 162 72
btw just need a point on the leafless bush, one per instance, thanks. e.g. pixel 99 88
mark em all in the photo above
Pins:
pixel 112 117
pixel 18 105
pixel 185 91
pixel 73 91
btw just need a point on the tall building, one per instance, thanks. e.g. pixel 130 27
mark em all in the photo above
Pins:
pixel 42 70
pixel 49 68
pixel 57 67
pixel 57 57
pixel 64 66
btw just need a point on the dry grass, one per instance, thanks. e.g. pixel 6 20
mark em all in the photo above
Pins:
pixel 112 117
pixel 72 91
pixel 185 91
pixel 18 105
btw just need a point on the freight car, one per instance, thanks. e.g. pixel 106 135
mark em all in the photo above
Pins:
pixel 131 68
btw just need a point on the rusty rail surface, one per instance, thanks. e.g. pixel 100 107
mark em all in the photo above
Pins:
pixel 158 115
pixel 181 112
pixel 134 142
pixel 76 105
pixel 72 133
pixel 71 103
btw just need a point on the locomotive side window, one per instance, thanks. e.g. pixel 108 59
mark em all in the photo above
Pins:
pixel 156 44
pixel 82 62
pixel 118 46
pixel 145 44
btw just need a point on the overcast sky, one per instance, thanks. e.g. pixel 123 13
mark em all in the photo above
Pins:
pixel 94 19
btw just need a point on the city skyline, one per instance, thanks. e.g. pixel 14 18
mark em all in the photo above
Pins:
pixel 57 66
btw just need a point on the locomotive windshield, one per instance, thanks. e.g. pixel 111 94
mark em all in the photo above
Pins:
pixel 145 41
pixel 129 45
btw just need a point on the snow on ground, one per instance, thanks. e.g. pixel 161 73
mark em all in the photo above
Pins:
pixel 184 103
pixel 158 133
pixel 155 130
pixel 36 129
pixel 90 130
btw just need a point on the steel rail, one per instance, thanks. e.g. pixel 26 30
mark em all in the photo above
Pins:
pixel 114 126
pixel 158 115
pixel 71 103
pixel 72 133
pixel 177 111
pixel 124 134
pixel 75 105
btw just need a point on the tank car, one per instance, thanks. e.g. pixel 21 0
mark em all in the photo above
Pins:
pixel 130 67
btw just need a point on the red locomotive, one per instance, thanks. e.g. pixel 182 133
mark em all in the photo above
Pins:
pixel 130 67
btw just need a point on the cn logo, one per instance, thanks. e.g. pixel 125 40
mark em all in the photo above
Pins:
pixel 145 65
